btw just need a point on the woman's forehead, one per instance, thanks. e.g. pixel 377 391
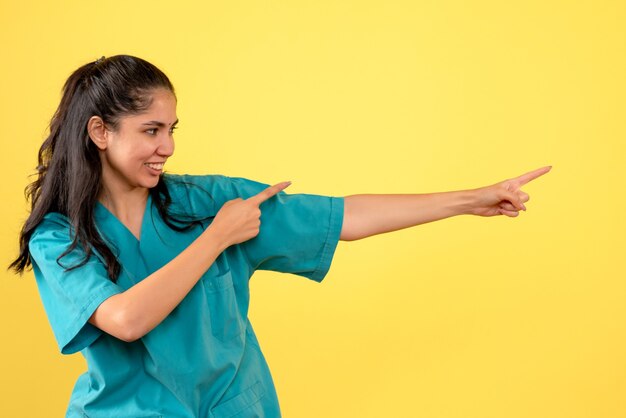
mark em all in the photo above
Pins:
pixel 161 112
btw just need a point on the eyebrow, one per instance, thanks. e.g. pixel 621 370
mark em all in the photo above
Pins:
pixel 158 123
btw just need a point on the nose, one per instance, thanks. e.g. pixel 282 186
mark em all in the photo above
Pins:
pixel 166 146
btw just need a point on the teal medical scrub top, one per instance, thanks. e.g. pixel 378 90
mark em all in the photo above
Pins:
pixel 203 359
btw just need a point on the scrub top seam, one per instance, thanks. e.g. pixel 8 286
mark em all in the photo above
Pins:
pixel 83 319
pixel 331 240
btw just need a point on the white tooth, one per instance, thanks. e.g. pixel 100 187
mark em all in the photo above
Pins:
pixel 155 166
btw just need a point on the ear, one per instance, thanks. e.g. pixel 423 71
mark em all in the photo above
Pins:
pixel 98 132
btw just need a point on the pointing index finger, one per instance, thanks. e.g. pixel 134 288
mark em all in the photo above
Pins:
pixel 525 178
pixel 263 195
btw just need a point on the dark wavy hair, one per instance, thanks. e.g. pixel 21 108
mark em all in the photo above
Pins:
pixel 69 171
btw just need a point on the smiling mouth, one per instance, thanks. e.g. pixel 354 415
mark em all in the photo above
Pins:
pixel 155 166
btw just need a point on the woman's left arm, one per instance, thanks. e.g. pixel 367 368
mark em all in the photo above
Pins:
pixel 371 214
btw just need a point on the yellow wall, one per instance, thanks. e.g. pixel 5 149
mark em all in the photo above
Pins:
pixel 467 317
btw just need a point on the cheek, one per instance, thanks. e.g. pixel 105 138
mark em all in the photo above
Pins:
pixel 131 152
pixel 139 154
pixel 125 159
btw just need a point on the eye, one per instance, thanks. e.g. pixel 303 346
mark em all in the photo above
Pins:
pixel 153 131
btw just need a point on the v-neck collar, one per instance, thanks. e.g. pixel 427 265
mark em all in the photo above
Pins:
pixel 110 222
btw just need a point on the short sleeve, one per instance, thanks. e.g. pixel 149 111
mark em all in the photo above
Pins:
pixel 299 233
pixel 69 297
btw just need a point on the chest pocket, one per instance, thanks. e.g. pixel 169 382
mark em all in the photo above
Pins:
pixel 219 290
pixel 243 405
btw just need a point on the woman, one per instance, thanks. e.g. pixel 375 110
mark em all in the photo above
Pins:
pixel 146 273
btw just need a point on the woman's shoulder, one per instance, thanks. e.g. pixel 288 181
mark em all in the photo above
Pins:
pixel 53 222
pixel 186 181
pixel 200 193
pixel 193 186
pixel 219 186
pixel 54 229
pixel 197 195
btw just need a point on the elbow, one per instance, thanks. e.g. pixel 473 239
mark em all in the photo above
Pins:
pixel 128 336
pixel 118 318
pixel 128 326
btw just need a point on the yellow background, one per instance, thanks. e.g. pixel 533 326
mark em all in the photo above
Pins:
pixel 467 317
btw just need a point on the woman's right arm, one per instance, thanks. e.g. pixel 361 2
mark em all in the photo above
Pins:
pixel 133 313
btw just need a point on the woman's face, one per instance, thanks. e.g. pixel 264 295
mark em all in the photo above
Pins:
pixel 135 154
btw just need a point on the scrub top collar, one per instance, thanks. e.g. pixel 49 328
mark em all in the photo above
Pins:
pixel 114 228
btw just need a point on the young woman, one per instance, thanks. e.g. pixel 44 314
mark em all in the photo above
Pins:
pixel 146 273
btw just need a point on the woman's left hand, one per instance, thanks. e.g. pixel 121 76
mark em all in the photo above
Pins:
pixel 504 198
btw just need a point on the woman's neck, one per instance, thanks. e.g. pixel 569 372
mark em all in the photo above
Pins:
pixel 126 205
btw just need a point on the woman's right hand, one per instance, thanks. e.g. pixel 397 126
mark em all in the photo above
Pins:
pixel 238 220
pixel 133 313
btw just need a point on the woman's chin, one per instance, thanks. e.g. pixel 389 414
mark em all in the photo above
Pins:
pixel 149 182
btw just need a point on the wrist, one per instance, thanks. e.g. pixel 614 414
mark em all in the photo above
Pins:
pixel 214 236
pixel 467 202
